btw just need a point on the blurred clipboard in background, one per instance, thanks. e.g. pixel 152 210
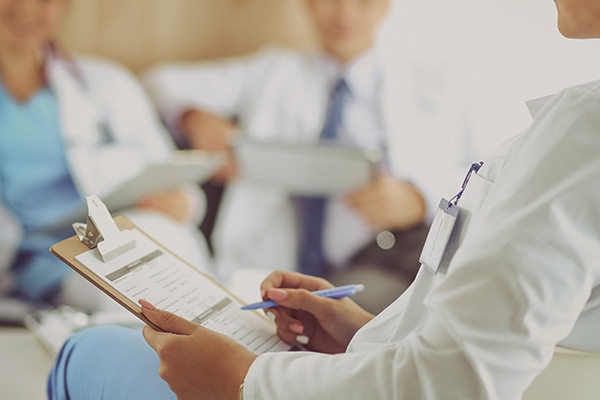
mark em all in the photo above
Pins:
pixel 133 266
pixel 306 168
pixel 184 167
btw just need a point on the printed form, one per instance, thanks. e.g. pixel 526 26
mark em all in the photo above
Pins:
pixel 152 273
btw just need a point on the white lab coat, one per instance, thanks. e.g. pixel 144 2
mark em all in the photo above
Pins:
pixel 526 277
pixel 283 94
pixel 93 93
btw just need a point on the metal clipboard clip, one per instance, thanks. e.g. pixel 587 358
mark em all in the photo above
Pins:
pixel 102 233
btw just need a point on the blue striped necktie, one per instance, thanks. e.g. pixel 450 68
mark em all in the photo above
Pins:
pixel 311 259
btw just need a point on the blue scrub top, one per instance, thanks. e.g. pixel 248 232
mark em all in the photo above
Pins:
pixel 36 186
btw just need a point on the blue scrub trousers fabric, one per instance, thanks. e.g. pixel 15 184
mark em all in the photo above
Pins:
pixel 107 362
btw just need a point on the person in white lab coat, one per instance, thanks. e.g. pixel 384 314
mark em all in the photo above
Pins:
pixel 414 113
pixel 525 277
pixel 70 128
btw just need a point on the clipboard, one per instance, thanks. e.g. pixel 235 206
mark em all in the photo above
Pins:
pixel 120 231
pixel 71 247
pixel 186 166
pixel 307 169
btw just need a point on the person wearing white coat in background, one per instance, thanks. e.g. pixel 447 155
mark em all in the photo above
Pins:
pixel 415 113
pixel 525 277
pixel 71 127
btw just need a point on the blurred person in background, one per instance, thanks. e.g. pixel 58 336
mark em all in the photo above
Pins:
pixel 70 127
pixel 344 93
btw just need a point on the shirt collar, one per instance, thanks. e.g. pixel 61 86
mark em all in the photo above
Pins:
pixel 362 74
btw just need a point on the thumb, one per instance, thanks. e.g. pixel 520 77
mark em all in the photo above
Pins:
pixel 300 299
pixel 167 321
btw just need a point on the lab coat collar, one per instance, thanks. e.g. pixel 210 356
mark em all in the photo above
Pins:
pixel 79 129
pixel 70 90
pixel 362 75
pixel 535 105
pixel 53 55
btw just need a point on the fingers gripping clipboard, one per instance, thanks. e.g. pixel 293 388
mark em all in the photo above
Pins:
pixel 134 266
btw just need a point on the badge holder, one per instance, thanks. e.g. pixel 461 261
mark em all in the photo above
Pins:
pixel 442 227
pixel 102 233
pixel 439 235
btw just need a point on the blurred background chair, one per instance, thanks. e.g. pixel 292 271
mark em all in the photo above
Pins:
pixel 570 375
pixel 140 33
pixel 13 311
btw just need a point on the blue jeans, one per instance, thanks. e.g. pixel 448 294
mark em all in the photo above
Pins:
pixel 107 362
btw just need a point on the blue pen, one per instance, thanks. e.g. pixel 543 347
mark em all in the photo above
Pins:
pixel 333 293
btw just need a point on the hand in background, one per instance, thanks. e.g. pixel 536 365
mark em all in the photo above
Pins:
pixel 388 203
pixel 196 362
pixel 328 324
pixel 212 133
pixel 174 203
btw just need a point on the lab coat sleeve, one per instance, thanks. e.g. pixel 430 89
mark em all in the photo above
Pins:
pixel 127 108
pixel 133 121
pixel 513 291
pixel 11 235
pixel 211 86
pixel 414 369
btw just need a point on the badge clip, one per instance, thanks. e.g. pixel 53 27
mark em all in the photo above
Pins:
pixel 475 167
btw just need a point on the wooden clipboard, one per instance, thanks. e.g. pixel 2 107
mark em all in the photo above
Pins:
pixel 70 248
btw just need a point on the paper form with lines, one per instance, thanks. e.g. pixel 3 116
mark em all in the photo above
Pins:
pixel 150 272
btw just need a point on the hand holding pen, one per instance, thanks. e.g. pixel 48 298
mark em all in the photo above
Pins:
pixel 333 293
pixel 305 317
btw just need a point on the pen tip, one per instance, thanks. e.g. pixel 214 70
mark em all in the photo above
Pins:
pixel 360 287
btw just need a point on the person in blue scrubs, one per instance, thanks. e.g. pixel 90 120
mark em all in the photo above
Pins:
pixel 36 187
pixel 40 187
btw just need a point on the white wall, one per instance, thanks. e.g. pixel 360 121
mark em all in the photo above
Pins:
pixel 508 50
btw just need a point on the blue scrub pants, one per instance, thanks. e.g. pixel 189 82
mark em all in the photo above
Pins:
pixel 107 362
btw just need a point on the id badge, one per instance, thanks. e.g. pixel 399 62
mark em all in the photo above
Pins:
pixel 439 235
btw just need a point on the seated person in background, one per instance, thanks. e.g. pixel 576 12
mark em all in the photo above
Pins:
pixel 344 93
pixel 70 128
pixel 525 277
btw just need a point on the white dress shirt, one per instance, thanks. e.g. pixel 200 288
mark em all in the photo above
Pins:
pixel 345 231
